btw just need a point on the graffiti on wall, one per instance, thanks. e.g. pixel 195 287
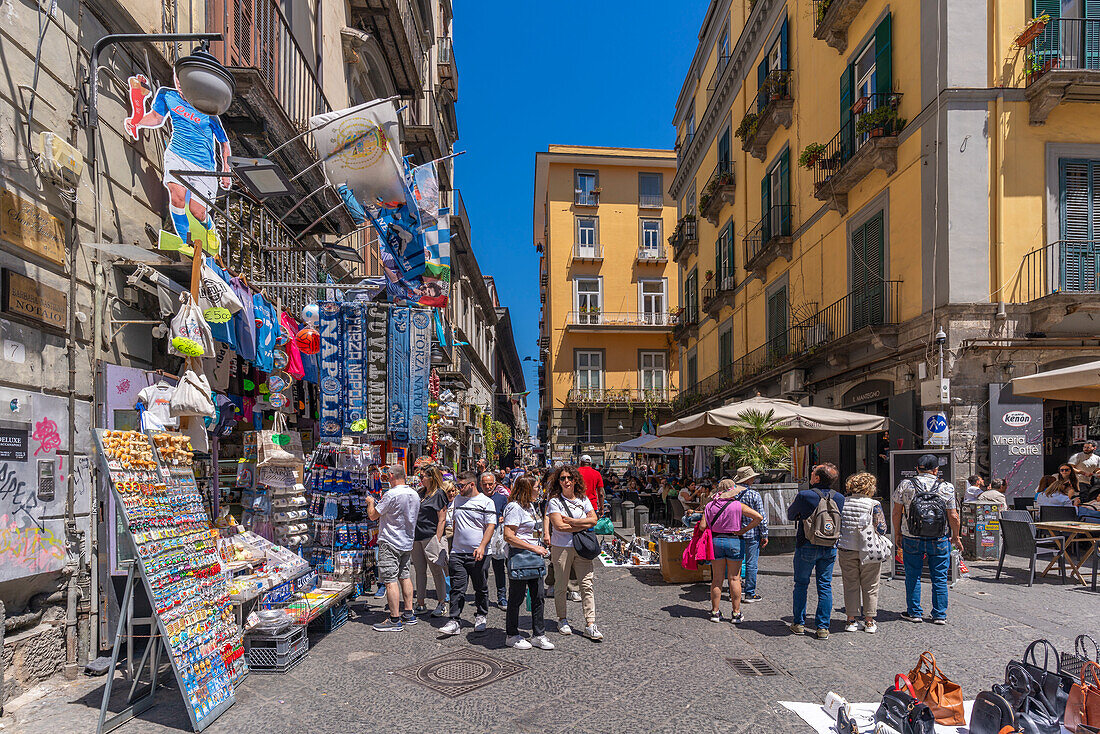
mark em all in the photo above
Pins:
pixel 29 549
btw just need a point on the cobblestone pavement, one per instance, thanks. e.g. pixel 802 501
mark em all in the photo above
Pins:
pixel 662 668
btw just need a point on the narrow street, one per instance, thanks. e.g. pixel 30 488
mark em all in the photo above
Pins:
pixel 662 668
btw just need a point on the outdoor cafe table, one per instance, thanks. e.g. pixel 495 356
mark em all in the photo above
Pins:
pixel 1074 532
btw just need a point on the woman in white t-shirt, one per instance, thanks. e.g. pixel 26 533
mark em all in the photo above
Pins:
pixel 522 527
pixel 570 511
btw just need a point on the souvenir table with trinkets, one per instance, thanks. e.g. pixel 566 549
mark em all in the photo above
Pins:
pixel 178 559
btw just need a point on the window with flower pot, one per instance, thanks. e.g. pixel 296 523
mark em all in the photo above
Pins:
pixel 651 300
pixel 867 83
pixel 588 379
pixel 653 376
pixel 586 188
pixel 587 300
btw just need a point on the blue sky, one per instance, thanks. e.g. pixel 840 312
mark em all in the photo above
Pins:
pixel 600 72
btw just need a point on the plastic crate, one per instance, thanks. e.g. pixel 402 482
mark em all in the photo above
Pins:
pixel 332 619
pixel 276 653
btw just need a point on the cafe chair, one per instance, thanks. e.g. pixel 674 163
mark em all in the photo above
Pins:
pixel 1022 503
pixel 1018 540
pixel 1057 514
pixel 677 512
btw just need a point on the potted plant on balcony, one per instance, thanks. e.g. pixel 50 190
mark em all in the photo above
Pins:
pixel 860 105
pixel 755 442
pixel 810 155
pixel 709 275
pixel 822 8
pixel 748 126
pixel 880 121
pixel 1031 31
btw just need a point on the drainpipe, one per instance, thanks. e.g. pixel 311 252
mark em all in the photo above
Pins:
pixel 72 667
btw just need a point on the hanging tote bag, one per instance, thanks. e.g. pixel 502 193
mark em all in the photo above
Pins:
pixel 193 396
pixel 941 694
pixel 873 548
pixel 279 447
pixel 190 336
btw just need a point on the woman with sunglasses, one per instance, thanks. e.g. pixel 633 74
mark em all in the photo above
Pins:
pixel 431 521
pixel 1058 489
pixel 570 511
pixel 523 533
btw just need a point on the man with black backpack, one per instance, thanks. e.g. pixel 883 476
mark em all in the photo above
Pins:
pixel 925 516
pixel 816 514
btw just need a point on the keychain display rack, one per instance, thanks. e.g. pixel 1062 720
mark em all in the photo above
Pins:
pixel 177 560
pixel 339 478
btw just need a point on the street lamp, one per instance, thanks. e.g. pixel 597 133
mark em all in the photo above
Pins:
pixel 204 82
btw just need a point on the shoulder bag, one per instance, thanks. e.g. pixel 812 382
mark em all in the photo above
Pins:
pixel 942 695
pixel 1083 707
pixel 901 711
pixel 1054 685
pixel 873 548
pixel 585 542
pixel 1033 714
pixel 524 564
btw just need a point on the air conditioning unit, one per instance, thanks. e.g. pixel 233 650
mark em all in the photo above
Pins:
pixel 793 381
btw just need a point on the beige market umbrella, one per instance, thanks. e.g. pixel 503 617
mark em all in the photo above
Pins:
pixel 1081 383
pixel 801 423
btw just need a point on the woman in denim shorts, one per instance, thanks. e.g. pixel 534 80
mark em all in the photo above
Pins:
pixel 723 514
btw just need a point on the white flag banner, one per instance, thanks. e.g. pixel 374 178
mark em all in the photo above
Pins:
pixel 362 148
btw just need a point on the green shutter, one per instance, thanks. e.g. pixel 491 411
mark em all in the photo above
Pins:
pixel 783 48
pixel 785 193
pixel 884 72
pixel 777 323
pixel 846 129
pixel 765 207
pixel 1092 34
pixel 1047 46
pixel 719 259
pixel 730 259
pixel 761 80
pixel 868 299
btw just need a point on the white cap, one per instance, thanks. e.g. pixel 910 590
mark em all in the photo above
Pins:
pixel 586 459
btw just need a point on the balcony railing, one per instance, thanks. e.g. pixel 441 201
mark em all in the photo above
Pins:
pixel 773 227
pixel 864 143
pixel 1066 266
pixel 445 60
pixel 652 254
pixel 651 201
pixel 427 123
pixel 684 236
pixel 718 288
pixel 586 198
pixel 459 221
pixel 259 37
pixel 597 317
pixel 771 108
pixel 1065 43
pixel 686 319
pixel 872 304
pixel 719 190
pixel 587 252
pixel 716 77
pixel 619 396
pixel 832 19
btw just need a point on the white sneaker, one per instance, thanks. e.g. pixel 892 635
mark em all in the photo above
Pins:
pixel 851 627
pixel 440 610
pixel 564 628
pixel 593 633
pixel 574 596
pixel 451 628
pixel 542 643
pixel 519 642
pixel 870 628
pixel 549 592
pixel 479 623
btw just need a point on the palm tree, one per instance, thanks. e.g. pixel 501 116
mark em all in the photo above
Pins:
pixel 754 442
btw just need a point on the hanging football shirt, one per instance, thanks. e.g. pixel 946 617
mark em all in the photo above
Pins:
pixel 266 329
pixel 244 321
pixel 225 331
pixel 191 130
pixel 294 356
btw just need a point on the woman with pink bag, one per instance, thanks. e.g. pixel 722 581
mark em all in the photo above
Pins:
pixel 722 516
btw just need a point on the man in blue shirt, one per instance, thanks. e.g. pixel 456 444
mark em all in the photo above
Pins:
pixel 756 538
pixel 814 559
pixel 194 145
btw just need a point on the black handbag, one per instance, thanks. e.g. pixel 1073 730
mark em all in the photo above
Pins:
pixel 1034 715
pixel 1054 685
pixel 901 710
pixel 585 542
pixel 524 565
pixel 991 714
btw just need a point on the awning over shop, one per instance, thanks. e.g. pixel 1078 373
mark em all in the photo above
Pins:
pixel 805 424
pixel 647 443
pixel 1080 382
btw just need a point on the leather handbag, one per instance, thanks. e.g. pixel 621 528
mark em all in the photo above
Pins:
pixel 935 689
pixel 901 711
pixel 1083 706
pixel 524 565
pixel 585 542
pixel 1034 714
pixel 1054 685
pixel 991 714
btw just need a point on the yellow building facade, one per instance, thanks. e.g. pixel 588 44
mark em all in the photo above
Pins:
pixel 602 217
pixel 855 175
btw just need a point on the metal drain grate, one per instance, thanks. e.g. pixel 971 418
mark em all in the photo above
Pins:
pixel 460 672
pixel 757 667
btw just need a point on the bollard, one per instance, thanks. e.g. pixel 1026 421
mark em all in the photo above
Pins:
pixel 641 519
pixel 627 515
pixel 616 511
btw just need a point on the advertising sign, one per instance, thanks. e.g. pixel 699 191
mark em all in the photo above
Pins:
pixel 1015 440
pixel 13 444
pixel 936 432
pixel 30 227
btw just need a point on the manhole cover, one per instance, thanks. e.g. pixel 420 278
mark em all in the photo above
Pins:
pixel 753 666
pixel 460 672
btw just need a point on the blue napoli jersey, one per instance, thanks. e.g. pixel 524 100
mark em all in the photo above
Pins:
pixel 194 133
